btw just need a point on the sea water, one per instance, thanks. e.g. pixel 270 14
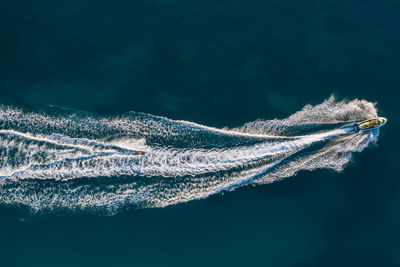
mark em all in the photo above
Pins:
pixel 236 172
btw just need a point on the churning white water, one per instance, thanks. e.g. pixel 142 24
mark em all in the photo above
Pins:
pixel 65 162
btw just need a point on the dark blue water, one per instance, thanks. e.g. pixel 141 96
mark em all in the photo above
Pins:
pixel 218 63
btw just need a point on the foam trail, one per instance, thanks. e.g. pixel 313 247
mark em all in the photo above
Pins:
pixel 68 162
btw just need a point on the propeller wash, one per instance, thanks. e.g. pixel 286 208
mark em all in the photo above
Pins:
pixel 63 162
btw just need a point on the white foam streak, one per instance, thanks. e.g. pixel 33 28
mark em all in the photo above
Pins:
pixel 72 162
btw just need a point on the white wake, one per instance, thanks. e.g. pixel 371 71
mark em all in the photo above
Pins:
pixel 64 162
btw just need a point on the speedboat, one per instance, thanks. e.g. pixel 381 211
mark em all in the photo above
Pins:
pixel 370 124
